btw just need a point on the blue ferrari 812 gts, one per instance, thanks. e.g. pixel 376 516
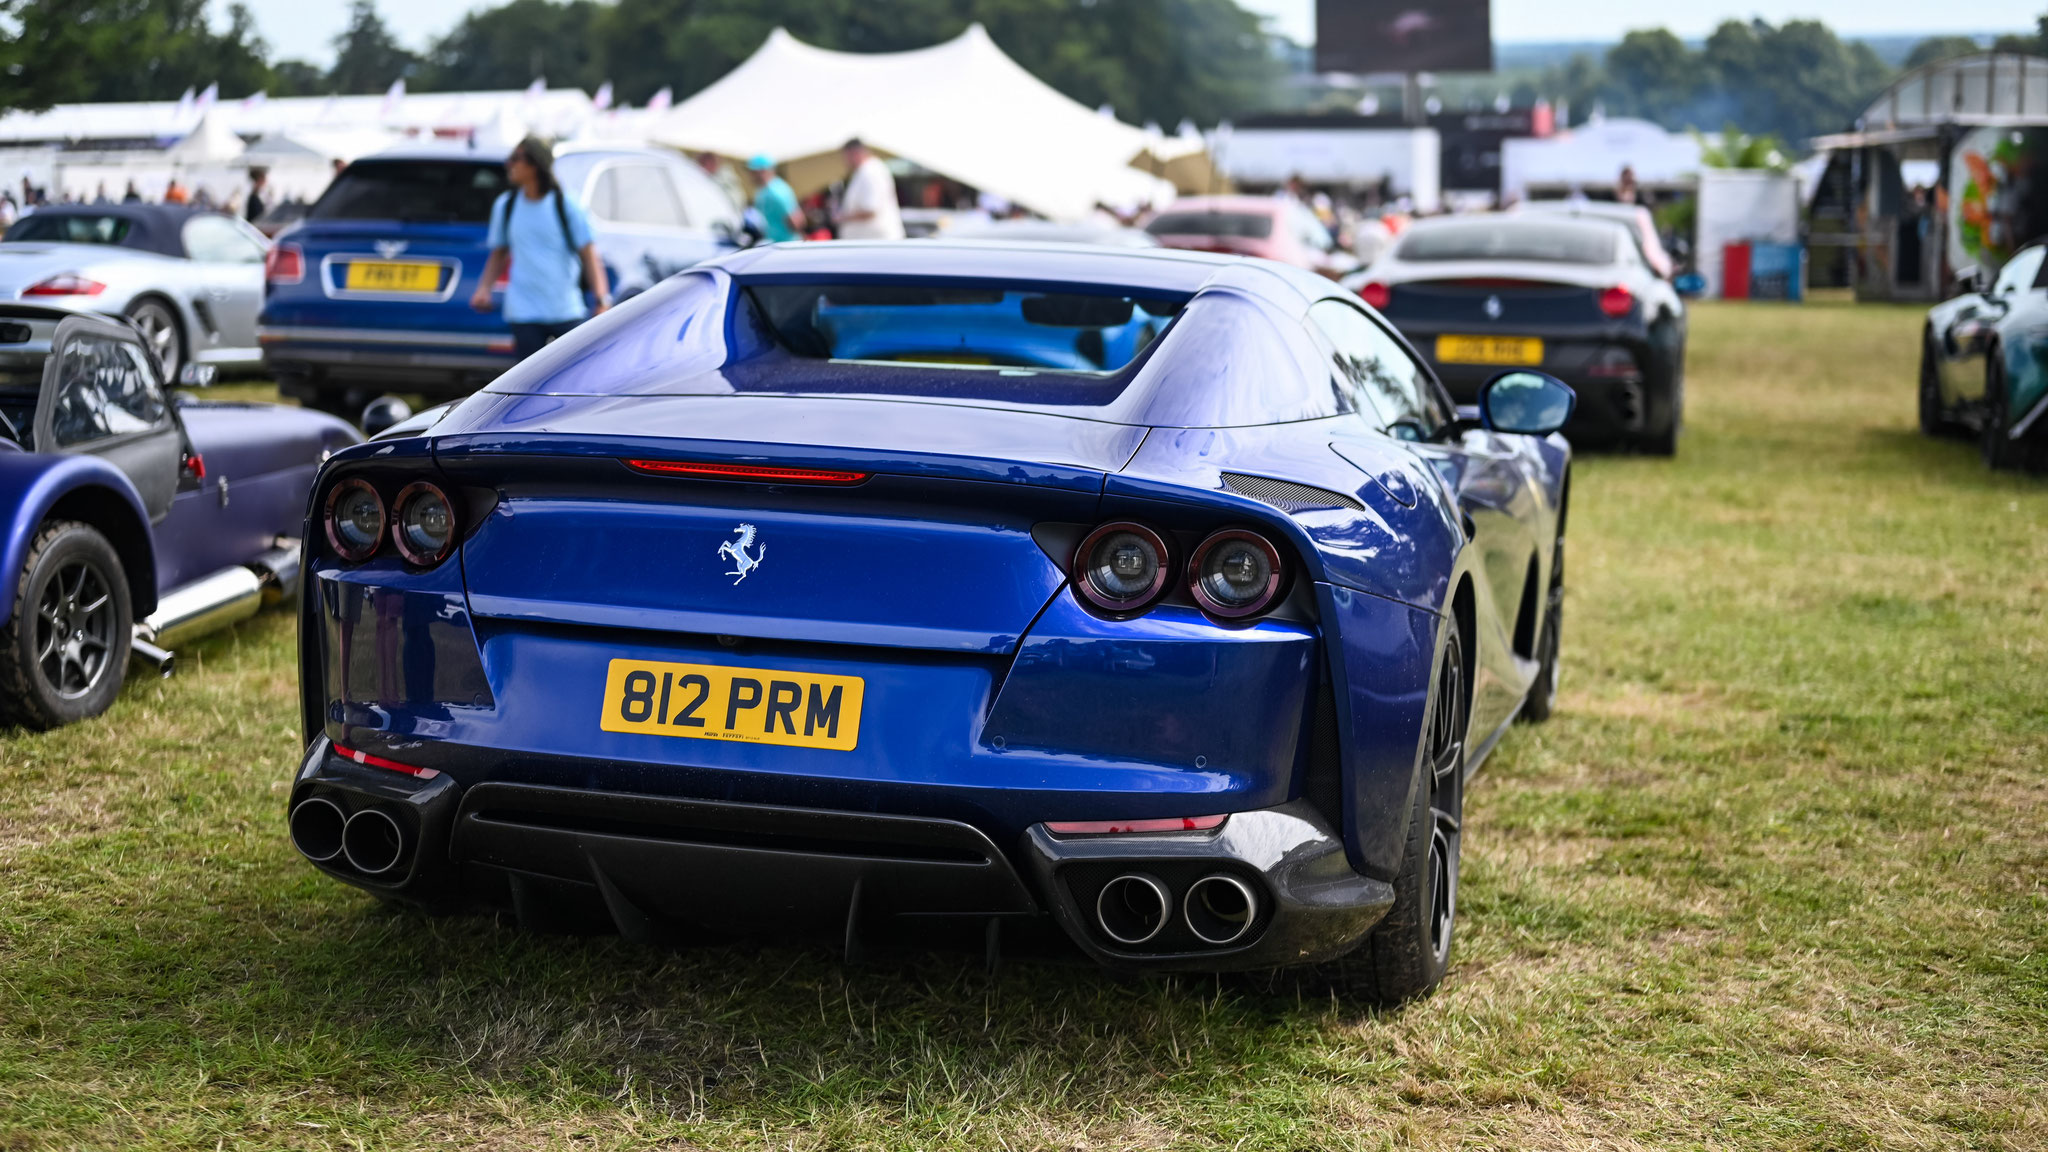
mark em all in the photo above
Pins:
pixel 1160 601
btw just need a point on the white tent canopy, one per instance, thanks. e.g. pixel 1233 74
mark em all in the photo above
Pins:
pixel 212 142
pixel 963 109
pixel 1593 155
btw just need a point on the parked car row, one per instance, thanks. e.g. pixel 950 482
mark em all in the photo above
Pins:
pixel 1984 364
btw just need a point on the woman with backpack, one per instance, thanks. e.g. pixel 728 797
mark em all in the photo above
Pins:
pixel 543 231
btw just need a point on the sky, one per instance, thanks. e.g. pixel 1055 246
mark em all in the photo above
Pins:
pixel 305 29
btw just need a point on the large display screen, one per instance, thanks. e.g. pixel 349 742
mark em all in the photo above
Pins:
pixel 1368 36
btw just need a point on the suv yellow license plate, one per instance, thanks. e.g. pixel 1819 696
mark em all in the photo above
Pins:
pixel 750 705
pixel 1519 350
pixel 393 276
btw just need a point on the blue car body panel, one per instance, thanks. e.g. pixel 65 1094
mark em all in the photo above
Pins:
pixel 995 697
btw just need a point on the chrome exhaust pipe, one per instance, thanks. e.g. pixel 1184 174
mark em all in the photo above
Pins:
pixel 229 596
pixel 372 841
pixel 278 570
pixel 317 826
pixel 1132 908
pixel 1220 908
pixel 163 662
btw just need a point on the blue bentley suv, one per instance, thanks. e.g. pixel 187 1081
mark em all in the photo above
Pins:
pixel 370 292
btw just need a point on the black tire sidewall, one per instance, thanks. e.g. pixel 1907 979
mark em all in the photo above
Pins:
pixel 26 696
pixel 1997 448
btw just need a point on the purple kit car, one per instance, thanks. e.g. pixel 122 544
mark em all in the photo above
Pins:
pixel 1154 599
pixel 130 519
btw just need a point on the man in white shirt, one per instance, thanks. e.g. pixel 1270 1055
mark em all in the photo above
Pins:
pixel 867 209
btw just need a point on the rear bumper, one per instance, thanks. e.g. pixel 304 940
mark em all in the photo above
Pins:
pixel 652 862
pixel 445 361
pixel 1618 405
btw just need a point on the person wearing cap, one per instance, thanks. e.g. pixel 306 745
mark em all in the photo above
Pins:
pixel 868 208
pixel 543 231
pixel 775 200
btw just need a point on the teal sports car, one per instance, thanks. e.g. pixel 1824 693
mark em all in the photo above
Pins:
pixel 1984 364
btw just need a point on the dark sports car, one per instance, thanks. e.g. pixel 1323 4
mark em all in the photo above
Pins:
pixel 1984 365
pixel 1161 597
pixel 130 519
pixel 1572 297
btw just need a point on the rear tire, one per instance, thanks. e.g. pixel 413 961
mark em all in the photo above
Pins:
pixel 1664 441
pixel 162 332
pixel 1934 419
pixel 1408 952
pixel 1998 448
pixel 64 650
pixel 1542 699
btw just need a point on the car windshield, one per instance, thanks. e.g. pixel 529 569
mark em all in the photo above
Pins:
pixel 436 191
pixel 1511 240
pixel 72 228
pixel 1244 225
pixel 996 328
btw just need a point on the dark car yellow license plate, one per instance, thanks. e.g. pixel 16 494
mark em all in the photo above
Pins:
pixel 751 705
pixel 393 276
pixel 1519 350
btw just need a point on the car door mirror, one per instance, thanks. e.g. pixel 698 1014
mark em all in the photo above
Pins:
pixel 196 375
pixel 382 413
pixel 1526 403
pixel 1971 278
pixel 1689 284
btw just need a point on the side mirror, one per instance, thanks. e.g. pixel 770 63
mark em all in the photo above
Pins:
pixel 382 413
pixel 1972 278
pixel 196 375
pixel 1689 283
pixel 1527 403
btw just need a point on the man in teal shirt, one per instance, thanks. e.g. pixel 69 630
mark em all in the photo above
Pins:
pixel 781 219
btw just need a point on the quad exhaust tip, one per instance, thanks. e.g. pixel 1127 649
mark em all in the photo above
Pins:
pixel 317 826
pixel 1220 909
pixel 1133 908
pixel 372 841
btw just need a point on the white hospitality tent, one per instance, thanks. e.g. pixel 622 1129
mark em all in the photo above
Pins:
pixel 962 109
pixel 1593 155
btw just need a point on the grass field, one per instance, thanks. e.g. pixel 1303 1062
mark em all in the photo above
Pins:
pixel 1776 876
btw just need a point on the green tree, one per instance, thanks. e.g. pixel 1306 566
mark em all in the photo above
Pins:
pixel 71 51
pixel 1654 75
pixel 1795 80
pixel 1940 48
pixel 367 57
pixel 511 46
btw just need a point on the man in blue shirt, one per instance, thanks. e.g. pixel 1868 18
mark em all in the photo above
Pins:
pixel 781 219
pixel 545 235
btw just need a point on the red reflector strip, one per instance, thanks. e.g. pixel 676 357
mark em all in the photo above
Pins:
pixel 380 762
pixel 757 472
pixel 1101 827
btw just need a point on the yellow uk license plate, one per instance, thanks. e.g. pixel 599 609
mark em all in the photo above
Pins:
pixel 1522 350
pixel 751 705
pixel 393 276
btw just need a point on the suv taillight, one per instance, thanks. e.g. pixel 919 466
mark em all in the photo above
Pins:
pixel 284 264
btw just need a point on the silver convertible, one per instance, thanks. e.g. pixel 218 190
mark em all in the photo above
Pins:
pixel 191 280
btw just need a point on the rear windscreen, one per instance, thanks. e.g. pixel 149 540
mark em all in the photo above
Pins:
pixel 426 191
pixel 71 229
pixel 1244 225
pixel 1519 240
pixel 996 329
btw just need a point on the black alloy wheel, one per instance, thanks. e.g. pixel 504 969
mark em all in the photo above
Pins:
pixel 1999 450
pixel 1934 419
pixel 64 649
pixel 1408 952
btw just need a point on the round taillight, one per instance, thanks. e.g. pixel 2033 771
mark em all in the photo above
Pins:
pixel 1616 301
pixel 422 524
pixel 355 519
pixel 1235 574
pixel 1121 567
pixel 1376 295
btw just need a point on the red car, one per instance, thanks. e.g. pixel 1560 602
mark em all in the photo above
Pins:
pixel 1274 227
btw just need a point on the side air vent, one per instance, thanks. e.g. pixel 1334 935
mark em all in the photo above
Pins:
pixel 1286 496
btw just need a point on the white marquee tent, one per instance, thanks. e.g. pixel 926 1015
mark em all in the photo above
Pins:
pixel 1593 155
pixel 963 109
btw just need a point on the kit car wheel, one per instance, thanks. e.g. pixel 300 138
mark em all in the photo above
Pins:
pixel 1934 419
pixel 64 650
pixel 1543 694
pixel 159 325
pixel 1407 953
pixel 1999 450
